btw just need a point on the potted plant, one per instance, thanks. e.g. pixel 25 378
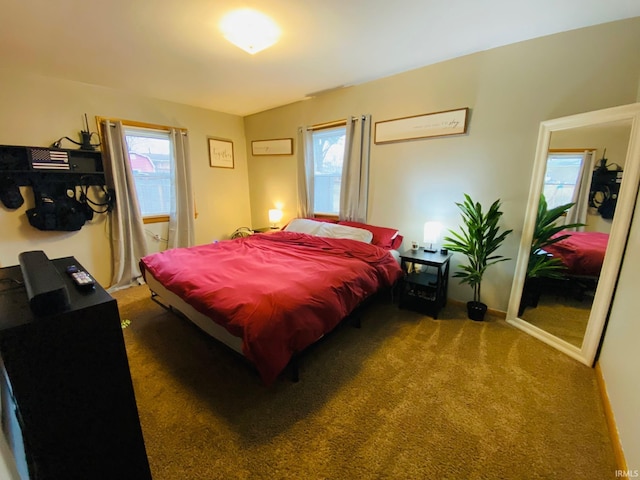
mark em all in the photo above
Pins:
pixel 542 265
pixel 479 238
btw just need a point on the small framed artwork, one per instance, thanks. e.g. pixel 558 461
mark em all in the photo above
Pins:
pixel 220 153
pixel 279 146
pixel 438 124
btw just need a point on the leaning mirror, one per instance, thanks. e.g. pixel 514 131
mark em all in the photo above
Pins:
pixel 583 190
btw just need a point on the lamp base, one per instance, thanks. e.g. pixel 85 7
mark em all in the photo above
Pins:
pixel 430 250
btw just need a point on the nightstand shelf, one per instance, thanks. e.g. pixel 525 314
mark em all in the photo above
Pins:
pixel 426 279
pixel 424 291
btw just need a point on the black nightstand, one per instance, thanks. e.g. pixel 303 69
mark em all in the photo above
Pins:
pixel 424 291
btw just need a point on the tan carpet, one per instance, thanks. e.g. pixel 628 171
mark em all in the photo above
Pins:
pixel 566 318
pixel 404 397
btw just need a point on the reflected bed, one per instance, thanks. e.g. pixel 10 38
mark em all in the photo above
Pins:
pixel 582 253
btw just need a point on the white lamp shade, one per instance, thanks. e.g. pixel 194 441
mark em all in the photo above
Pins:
pixel 275 215
pixel 432 232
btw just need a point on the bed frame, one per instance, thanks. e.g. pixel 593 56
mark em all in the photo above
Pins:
pixel 577 287
pixel 173 303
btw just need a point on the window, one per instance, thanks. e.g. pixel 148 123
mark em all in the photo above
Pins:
pixel 328 155
pixel 150 157
pixel 561 177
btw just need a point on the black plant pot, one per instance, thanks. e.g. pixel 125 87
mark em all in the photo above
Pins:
pixel 476 311
pixel 531 292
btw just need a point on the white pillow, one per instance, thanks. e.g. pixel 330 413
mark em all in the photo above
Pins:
pixel 303 225
pixel 333 230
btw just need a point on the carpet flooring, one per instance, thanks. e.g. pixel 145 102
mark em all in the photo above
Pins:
pixel 565 318
pixel 402 397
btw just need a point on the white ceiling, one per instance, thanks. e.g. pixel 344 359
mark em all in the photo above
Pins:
pixel 173 50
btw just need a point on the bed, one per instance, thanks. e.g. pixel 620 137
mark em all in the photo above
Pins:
pixel 582 253
pixel 270 296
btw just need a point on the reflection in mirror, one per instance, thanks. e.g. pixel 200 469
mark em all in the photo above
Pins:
pixel 559 299
pixel 580 168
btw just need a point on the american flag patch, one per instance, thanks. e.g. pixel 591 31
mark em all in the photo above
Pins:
pixel 49 159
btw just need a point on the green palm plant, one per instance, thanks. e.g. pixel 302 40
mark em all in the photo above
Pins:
pixel 478 240
pixel 542 265
pixel 545 233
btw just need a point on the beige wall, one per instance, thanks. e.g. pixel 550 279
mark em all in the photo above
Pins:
pixel 36 111
pixel 509 91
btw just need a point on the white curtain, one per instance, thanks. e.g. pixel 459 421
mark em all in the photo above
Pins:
pixel 305 172
pixel 578 213
pixel 182 212
pixel 127 230
pixel 355 169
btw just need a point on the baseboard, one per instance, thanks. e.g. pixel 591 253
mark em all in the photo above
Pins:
pixel 497 313
pixel 611 421
pixel 490 311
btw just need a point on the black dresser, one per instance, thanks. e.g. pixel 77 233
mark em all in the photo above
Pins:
pixel 68 404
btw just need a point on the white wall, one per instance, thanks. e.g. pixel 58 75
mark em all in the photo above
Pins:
pixel 509 90
pixel 36 111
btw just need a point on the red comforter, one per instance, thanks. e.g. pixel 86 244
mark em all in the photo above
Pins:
pixel 279 292
pixel 582 252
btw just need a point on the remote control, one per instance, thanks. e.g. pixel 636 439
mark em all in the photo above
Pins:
pixel 81 278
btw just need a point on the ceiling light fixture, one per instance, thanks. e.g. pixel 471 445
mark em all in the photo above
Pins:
pixel 249 30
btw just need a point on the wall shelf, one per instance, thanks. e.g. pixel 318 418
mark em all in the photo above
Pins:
pixel 27 166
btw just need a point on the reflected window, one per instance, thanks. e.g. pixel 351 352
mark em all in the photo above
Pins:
pixel 561 177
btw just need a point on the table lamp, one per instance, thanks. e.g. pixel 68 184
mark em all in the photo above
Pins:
pixel 275 215
pixel 431 236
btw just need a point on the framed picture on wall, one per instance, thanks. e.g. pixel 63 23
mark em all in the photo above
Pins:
pixel 278 146
pixel 220 153
pixel 438 124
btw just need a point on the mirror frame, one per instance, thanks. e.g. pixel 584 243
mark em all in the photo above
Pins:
pixel 617 239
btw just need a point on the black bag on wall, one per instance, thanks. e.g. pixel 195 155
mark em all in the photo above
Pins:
pixel 10 194
pixel 60 213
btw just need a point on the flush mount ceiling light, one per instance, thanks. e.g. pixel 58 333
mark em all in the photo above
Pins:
pixel 250 30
